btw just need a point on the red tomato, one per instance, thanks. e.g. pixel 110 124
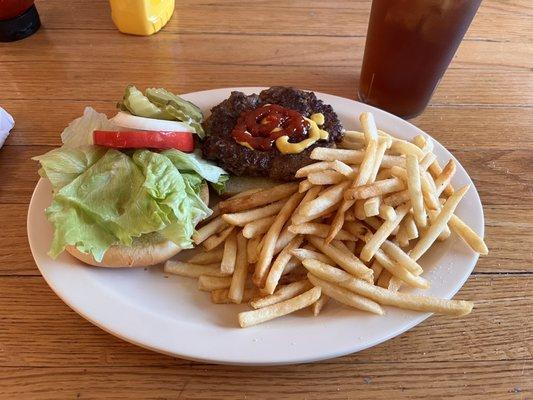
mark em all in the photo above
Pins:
pixel 145 140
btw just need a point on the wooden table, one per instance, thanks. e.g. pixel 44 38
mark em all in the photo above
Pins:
pixel 482 112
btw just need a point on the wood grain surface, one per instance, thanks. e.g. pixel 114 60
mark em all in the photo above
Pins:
pixel 482 112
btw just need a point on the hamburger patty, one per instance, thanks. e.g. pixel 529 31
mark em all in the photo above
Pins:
pixel 239 160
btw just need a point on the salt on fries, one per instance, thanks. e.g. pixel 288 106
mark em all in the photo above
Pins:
pixel 352 230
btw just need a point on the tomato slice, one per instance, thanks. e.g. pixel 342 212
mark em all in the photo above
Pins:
pixel 145 140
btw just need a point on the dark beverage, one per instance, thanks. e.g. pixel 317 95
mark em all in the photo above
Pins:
pixel 409 45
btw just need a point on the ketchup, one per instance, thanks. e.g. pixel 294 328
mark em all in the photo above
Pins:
pixel 261 127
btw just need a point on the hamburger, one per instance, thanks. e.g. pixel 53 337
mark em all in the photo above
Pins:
pixel 129 191
pixel 244 132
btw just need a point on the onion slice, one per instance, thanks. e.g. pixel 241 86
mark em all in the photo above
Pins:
pixel 126 120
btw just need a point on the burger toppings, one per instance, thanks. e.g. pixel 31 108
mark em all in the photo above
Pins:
pixel 260 128
pixel 270 134
pixel 145 139
pixel 103 196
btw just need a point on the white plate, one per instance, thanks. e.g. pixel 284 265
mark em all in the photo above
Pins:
pixel 168 314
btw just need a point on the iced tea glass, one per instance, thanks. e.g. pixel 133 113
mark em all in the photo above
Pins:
pixel 409 46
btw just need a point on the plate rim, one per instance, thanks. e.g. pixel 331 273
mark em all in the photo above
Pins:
pixel 233 360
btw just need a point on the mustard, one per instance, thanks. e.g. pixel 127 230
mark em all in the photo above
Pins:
pixel 315 134
pixel 141 17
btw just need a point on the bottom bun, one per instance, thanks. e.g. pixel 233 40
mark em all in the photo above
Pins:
pixel 142 253
pixel 149 249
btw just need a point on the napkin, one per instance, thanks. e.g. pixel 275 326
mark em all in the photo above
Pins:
pixel 6 124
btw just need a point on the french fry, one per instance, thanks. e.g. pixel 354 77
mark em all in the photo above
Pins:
pixel 367 165
pixel 319 304
pixel 466 233
pixel 345 296
pixel 445 233
pixel 257 227
pixel 344 155
pixel 371 206
pixel 284 292
pixel 369 127
pixel 292 266
pixel 401 235
pixel 344 169
pixel 409 149
pixel 315 167
pixel 397 198
pixel 250 318
pixel 387 212
pixel 220 296
pixel 384 279
pixel 311 194
pixel 283 240
pixel 429 191
pixel 415 189
pixel 376 267
pixel 215 240
pixel 338 220
pixel 356 228
pixel 428 159
pixel 380 153
pixel 352 156
pixel 257 199
pixel 227 265
pixel 344 259
pixel 304 254
pixel 267 251
pixel 216 225
pixel 208 283
pixel 431 234
pixel 325 200
pixel 377 188
pixel 300 218
pixel 238 280
pixel 244 217
pixel 350 144
pixel 325 178
pixel 320 230
pixel 425 144
pixel 207 257
pixel 386 297
pixel 192 270
pixel 394 284
pixel 401 257
pixel 359 210
pixel 367 173
pixel 383 233
pixel 304 186
pixel 398 270
pixel 252 249
pixel 442 181
pixel 411 230
pixel 279 264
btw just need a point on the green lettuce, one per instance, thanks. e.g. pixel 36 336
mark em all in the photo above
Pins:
pixel 193 162
pixel 104 197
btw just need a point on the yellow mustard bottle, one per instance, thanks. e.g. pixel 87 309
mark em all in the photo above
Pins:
pixel 141 17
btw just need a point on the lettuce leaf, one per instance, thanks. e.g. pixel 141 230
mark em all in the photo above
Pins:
pixel 80 131
pixel 194 162
pixel 104 197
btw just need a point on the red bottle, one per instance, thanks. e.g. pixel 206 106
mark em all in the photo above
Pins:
pixel 18 19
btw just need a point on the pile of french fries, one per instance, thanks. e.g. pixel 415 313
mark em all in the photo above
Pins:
pixel 352 230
